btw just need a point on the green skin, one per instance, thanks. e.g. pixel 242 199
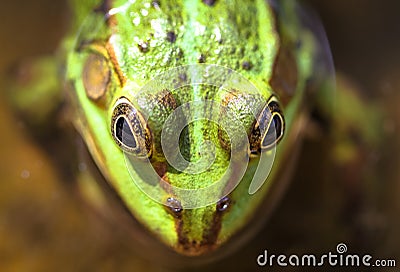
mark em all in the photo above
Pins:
pixel 246 35
pixel 114 58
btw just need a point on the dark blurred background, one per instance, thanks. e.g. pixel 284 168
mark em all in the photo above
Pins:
pixel 43 226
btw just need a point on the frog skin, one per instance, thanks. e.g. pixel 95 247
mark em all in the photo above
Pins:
pixel 116 47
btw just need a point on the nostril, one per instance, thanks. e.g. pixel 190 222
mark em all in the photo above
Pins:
pixel 223 204
pixel 174 206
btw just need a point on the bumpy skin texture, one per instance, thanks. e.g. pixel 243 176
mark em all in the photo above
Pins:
pixel 138 41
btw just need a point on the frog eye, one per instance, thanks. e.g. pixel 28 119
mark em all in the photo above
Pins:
pixel 269 128
pixel 96 76
pixel 129 129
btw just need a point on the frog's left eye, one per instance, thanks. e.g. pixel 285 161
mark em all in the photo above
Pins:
pixel 96 76
pixel 269 128
pixel 129 129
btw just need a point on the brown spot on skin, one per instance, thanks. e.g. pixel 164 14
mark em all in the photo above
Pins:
pixel 285 75
pixel 246 65
pixel 171 36
pixel 156 4
pixel 144 47
pixel 167 100
pixel 180 53
pixel 201 58
pixel 209 3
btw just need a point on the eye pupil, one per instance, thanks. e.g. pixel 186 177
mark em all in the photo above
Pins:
pixel 130 131
pixel 124 133
pixel 274 132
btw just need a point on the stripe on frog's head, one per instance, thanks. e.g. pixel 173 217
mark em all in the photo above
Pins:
pixel 114 60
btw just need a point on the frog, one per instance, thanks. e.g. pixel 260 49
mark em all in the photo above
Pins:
pixel 112 52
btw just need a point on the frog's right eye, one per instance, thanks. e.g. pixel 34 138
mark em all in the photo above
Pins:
pixel 129 129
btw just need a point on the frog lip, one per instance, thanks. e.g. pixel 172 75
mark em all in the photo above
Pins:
pixel 209 242
pixel 194 249
pixel 190 244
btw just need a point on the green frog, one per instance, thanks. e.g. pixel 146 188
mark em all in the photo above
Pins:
pixel 193 111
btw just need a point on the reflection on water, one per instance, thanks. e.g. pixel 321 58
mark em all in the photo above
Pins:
pixel 45 227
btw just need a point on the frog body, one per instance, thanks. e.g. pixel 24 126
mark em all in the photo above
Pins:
pixel 141 40
pixel 117 47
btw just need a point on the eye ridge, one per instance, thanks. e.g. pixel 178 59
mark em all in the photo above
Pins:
pixel 129 129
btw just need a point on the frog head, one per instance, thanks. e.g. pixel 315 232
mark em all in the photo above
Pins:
pixel 175 100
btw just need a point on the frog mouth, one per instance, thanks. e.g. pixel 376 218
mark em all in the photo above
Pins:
pixel 188 242
pixel 208 243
